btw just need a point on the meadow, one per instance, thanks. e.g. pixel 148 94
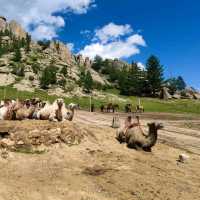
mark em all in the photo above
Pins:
pixel 150 104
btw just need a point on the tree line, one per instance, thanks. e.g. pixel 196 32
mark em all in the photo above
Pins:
pixel 130 79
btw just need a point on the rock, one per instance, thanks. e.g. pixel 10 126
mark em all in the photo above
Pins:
pixel 62 50
pixel 88 62
pixel 80 60
pixel 183 158
pixel 196 96
pixel 17 29
pixel 164 94
pixel 3 23
pixel 176 96
pixel 20 142
pixel 3 62
pixel 6 79
pixel 24 85
pixel 5 142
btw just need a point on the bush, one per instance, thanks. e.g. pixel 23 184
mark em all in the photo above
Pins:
pixel 64 71
pixel 36 67
pixel 48 77
pixel 62 82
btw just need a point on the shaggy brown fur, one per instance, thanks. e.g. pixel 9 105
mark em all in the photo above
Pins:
pixel 135 138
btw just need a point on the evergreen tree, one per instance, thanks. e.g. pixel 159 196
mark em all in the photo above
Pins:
pixel 17 55
pixel 98 62
pixel 48 76
pixel 154 74
pixel 64 71
pixel 88 82
pixel 28 42
pixel 85 79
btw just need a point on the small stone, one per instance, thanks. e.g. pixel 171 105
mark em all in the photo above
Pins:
pixel 20 142
pixel 183 158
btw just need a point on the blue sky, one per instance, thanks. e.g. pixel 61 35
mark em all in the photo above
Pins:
pixel 168 29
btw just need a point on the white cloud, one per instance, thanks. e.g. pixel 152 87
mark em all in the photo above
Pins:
pixel 141 65
pixel 70 46
pixel 111 32
pixel 114 41
pixel 38 16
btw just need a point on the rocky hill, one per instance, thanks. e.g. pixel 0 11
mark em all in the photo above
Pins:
pixel 25 73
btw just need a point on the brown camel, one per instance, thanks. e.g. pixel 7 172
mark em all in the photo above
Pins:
pixel 135 137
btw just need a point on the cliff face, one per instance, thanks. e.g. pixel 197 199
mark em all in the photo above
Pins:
pixel 12 26
pixel 16 28
pixel 3 23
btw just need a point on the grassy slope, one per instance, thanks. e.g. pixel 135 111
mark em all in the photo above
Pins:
pixel 150 104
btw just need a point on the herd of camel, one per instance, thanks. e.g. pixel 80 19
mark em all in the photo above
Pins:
pixel 36 109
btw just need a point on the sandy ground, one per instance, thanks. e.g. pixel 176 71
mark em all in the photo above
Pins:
pixel 102 169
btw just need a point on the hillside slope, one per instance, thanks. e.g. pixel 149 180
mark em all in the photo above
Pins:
pixel 25 73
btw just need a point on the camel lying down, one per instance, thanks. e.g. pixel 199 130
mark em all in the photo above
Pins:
pixel 135 138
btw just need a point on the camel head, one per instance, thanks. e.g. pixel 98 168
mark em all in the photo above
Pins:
pixel 155 126
pixel 60 102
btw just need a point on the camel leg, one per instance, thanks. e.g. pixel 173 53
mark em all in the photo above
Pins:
pixel 147 149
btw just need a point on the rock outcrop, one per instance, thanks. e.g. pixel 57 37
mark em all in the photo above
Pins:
pixel 12 26
pixel 16 28
pixel 62 50
pixel 3 23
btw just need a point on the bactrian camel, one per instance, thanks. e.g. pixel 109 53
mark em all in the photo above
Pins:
pixel 135 137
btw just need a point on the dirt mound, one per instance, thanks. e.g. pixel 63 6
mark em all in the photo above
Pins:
pixel 30 135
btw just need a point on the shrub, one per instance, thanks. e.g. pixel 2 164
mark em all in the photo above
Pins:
pixel 48 77
pixel 36 67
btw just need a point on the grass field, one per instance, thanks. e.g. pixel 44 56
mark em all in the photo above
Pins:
pixel 150 104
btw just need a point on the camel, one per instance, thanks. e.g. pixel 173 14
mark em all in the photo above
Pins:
pixel 135 138
pixel 6 110
pixel 128 108
pixel 25 113
pixel 55 112
pixel 73 106
pixel 25 109
pixel 139 109
pixel 112 107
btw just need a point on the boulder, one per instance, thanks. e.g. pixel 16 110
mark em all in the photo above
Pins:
pixel 3 23
pixel 88 62
pixel 176 96
pixel 164 94
pixel 62 50
pixel 3 62
pixel 6 79
pixel 16 28
pixel 196 96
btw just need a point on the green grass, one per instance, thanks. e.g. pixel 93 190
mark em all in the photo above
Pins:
pixel 150 104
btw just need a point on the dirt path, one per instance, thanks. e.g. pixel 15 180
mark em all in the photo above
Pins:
pixel 102 169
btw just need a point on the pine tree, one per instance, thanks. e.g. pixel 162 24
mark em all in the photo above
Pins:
pixel 28 43
pixel 181 85
pixel 88 82
pixel 98 63
pixel 48 76
pixel 17 55
pixel 154 74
